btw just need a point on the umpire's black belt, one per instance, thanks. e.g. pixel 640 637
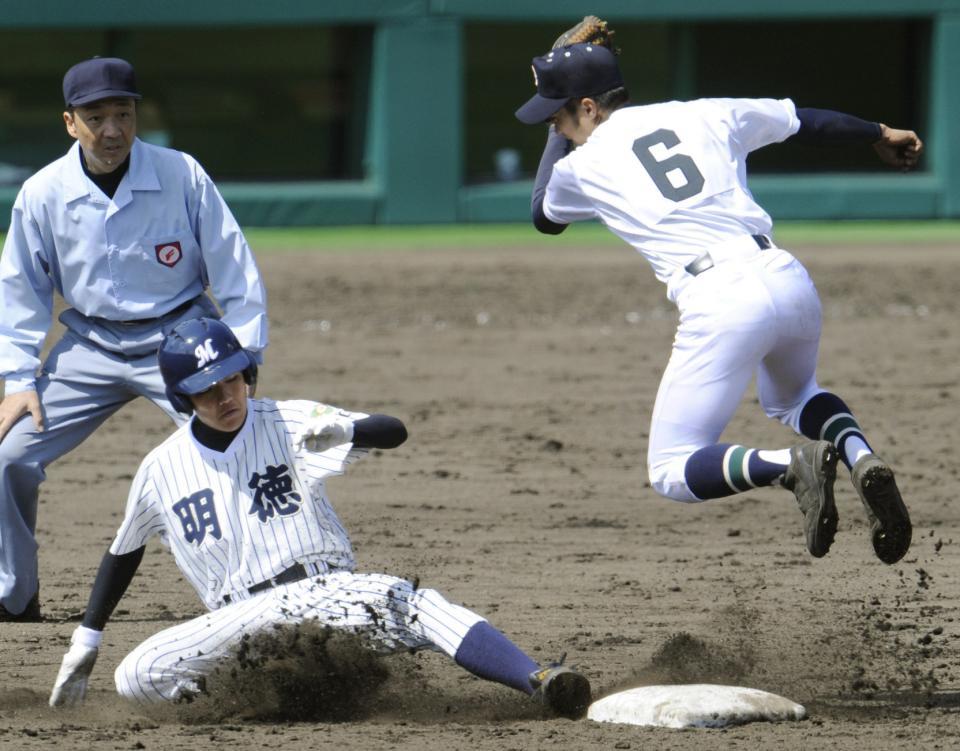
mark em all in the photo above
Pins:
pixel 704 262
pixel 293 574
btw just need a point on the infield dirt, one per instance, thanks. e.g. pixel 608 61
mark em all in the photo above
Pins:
pixel 526 378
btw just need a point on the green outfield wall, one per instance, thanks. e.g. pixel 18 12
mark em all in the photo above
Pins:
pixel 401 111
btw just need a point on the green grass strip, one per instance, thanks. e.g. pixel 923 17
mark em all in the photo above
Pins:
pixel 467 236
pixel 419 237
pixel 340 239
pixel 868 233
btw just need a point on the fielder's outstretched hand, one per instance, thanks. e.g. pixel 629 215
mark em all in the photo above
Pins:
pixel 70 687
pixel 899 148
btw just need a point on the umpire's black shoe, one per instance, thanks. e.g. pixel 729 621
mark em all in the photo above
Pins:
pixel 562 689
pixel 810 475
pixel 889 520
pixel 30 614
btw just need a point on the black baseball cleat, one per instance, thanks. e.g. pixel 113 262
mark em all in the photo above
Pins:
pixel 562 689
pixel 886 512
pixel 30 614
pixel 810 475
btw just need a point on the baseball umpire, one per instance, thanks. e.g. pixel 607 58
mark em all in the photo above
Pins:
pixel 130 235
pixel 238 496
pixel 670 179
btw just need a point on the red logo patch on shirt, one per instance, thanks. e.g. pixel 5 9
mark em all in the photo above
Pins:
pixel 169 253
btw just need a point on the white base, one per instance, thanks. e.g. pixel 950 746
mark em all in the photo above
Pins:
pixel 700 705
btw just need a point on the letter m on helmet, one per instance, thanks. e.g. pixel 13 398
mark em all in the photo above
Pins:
pixel 205 353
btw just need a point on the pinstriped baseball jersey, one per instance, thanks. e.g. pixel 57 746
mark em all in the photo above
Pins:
pixel 240 517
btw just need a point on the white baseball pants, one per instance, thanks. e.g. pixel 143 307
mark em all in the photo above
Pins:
pixel 756 311
pixel 387 611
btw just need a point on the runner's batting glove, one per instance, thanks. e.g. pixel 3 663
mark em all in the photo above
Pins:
pixel 70 687
pixel 325 429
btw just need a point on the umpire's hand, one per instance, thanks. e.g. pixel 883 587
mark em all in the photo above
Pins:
pixel 15 406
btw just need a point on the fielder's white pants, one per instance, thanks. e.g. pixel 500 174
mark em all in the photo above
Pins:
pixel 387 611
pixel 756 312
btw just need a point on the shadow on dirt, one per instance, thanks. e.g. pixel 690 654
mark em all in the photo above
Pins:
pixel 885 704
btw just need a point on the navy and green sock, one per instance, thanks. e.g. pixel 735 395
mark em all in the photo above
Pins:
pixel 826 417
pixel 724 469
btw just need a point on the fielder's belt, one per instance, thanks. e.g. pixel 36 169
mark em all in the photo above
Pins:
pixel 704 262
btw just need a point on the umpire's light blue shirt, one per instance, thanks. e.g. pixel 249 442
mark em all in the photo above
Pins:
pixel 164 237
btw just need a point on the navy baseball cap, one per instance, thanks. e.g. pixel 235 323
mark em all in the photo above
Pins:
pixel 99 78
pixel 568 72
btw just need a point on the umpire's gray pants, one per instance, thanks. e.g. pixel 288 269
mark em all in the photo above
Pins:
pixel 79 387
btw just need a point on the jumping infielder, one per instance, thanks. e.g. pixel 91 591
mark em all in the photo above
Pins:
pixel 130 235
pixel 670 179
pixel 238 496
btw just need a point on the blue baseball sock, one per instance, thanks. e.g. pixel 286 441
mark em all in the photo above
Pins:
pixel 489 654
pixel 724 469
pixel 826 417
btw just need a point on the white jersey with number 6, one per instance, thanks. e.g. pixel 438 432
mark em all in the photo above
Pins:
pixel 670 179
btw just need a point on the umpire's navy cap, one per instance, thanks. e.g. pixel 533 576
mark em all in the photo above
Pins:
pixel 565 73
pixel 99 78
